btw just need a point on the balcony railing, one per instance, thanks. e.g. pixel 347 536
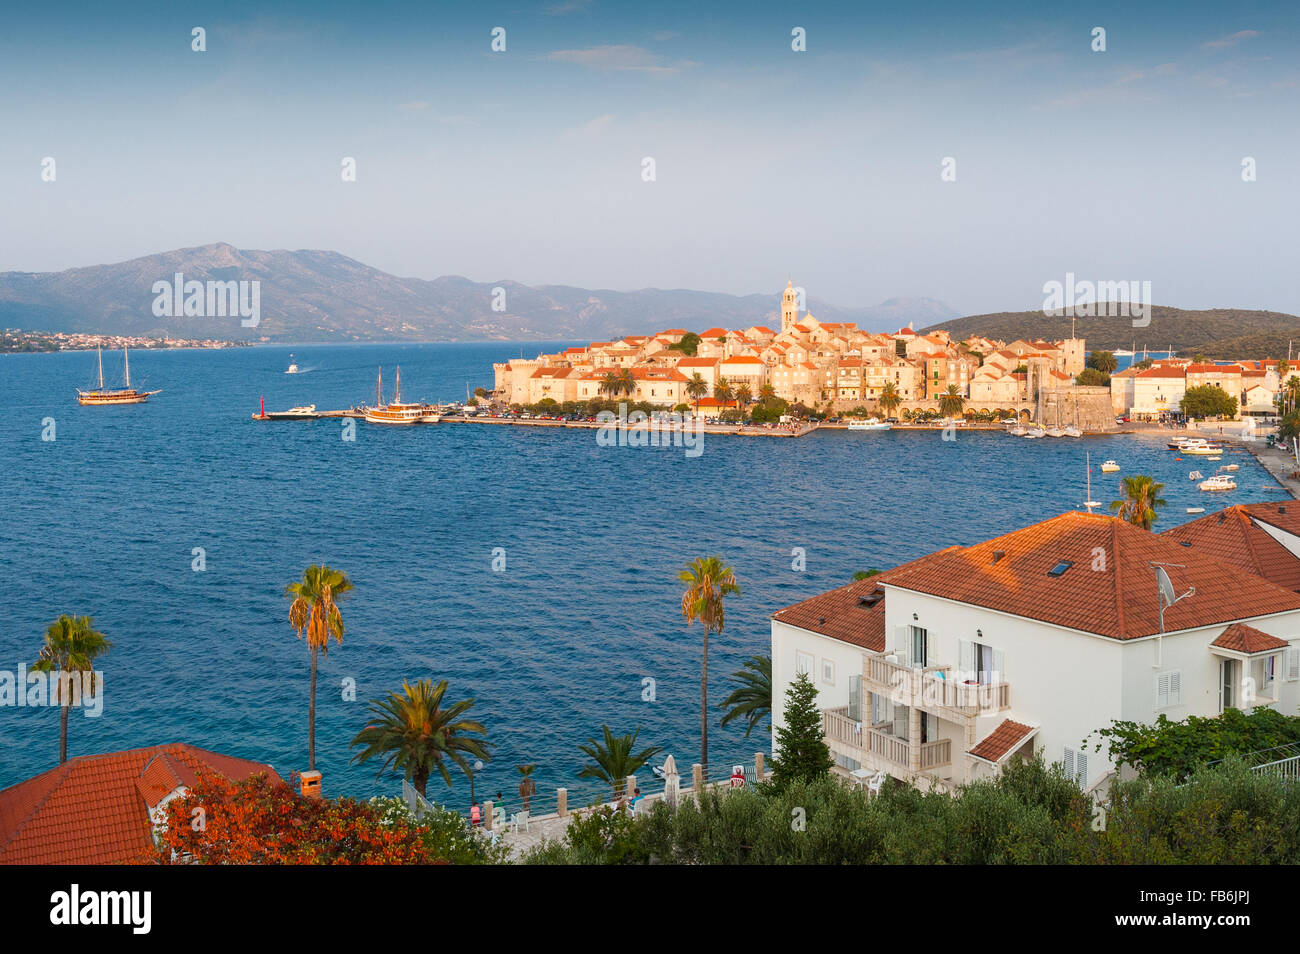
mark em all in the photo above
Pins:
pixel 838 727
pixel 934 689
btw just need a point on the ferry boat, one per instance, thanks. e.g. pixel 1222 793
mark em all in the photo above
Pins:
pixel 870 424
pixel 395 413
pixel 293 368
pixel 1109 467
pixel 103 395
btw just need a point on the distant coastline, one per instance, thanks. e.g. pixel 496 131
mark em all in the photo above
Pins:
pixel 17 341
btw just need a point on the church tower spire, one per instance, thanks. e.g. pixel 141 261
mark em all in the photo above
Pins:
pixel 789 308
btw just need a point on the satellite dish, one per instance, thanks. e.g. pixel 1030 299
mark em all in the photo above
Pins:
pixel 1165 586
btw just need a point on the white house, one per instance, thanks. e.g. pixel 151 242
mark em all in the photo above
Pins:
pixel 940 670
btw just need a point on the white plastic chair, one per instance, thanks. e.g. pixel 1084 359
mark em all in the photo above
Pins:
pixel 519 820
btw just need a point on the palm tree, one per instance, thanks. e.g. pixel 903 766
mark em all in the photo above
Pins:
pixel 71 645
pixel 752 699
pixel 613 760
pixel 1104 361
pixel 766 393
pixel 951 402
pixel 889 399
pixel 708 581
pixel 416 733
pixel 697 388
pixel 610 384
pixel 527 787
pixel 315 611
pixel 1141 498
pixel 626 382
pixel 744 395
pixel 723 392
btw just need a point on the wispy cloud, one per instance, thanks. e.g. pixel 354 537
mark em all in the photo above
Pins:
pixel 415 106
pixel 565 7
pixel 618 57
pixel 1230 40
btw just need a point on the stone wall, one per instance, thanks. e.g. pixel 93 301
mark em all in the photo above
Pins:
pixel 1088 408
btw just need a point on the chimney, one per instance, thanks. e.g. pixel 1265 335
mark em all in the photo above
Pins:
pixel 310 784
pixel 998 555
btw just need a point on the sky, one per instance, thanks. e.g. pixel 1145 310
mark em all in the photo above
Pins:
pixel 822 165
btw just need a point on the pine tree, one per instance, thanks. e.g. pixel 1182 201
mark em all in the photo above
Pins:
pixel 801 753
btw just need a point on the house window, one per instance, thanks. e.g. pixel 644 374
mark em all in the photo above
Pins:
pixel 1228 698
pixel 1076 766
pixel 920 646
pixel 1291 664
pixel 828 672
pixel 855 698
pixel 803 663
pixel 1169 689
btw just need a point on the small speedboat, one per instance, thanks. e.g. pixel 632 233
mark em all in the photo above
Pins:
pixel 293 368
pixel 1229 467
pixel 305 412
pixel 1109 467
pixel 1196 510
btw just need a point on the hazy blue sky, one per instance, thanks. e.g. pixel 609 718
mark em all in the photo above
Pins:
pixel 822 165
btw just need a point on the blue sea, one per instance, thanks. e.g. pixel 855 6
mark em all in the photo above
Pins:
pixel 105 518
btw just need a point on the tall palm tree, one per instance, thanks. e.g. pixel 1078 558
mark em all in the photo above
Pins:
pixel 708 582
pixel 416 733
pixel 951 402
pixel 613 760
pixel 71 645
pixel 766 393
pixel 527 787
pixel 697 388
pixel 610 384
pixel 626 382
pixel 752 699
pixel 1141 498
pixel 744 395
pixel 723 391
pixel 315 611
pixel 889 398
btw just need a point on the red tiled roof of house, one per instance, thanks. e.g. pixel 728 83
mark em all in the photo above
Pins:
pixel 1118 599
pixel 1207 368
pixel 94 809
pixel 1002 741
pixel 714 333
pixel 1163 371
pixel 763 329
pixel 550 371
pixel 657 374
pixel 741 359
pixel 575 350
pixel 803 328
pixel 1247 639
pixel 1232 536
pixel 715 402
pixel 697 362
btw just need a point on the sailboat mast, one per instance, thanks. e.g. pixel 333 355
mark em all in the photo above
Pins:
pixel 101 368
pixel 397 396
pixel 126 358
pixel 379 389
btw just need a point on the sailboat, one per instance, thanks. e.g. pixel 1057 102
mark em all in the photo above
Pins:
pixel 1090 503
pixel 397 412
pixel 124 395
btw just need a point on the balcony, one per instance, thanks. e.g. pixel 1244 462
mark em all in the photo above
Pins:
pixel 880 748
pixel 934 689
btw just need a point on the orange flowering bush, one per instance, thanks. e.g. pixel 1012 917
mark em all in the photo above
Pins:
pixel 260 822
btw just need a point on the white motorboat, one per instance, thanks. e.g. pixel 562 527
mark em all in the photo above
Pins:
pixel 870 424
pixel 293 368
pixel 1218 482
pixel 1196 510
pixel 1229 467
pixel 1109 467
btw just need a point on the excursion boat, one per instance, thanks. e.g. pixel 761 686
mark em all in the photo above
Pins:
pixel 1109 467
pixel 103 395
pixel 1182 442
pixel 395 413
pixel 870 424
pixel 1203 450
pixel 293 368
pixel 1218 482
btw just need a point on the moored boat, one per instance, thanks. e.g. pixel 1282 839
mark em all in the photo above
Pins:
pixel 870 424
pixel 1218 482
pixel 396 412
pixel 1109 467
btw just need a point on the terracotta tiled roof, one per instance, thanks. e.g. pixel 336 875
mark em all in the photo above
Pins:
pixel 1163 371
pixel 1117 599
pixel 1232 536
pixel 675 331
pixel 714 333
pixel 742 359
pixel 1002 741
pixel 852 613
pixel 1247 639
pixel 94 809
pixel 697 362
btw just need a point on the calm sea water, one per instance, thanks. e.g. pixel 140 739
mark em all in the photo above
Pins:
pixel 103 520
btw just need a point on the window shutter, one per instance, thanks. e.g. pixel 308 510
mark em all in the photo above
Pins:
pixel 1293 664
pixel 902 641
pixel 900 722
pixel 1081 766
pixel 929 648
pixel 965 659
pixel 1176 688
pixel 999 666
pixel 1068 762
pixel 1162 690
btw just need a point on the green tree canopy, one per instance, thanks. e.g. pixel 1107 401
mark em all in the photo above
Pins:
pixel 801 752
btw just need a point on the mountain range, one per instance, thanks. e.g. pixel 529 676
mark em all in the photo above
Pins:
pixel 321 296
